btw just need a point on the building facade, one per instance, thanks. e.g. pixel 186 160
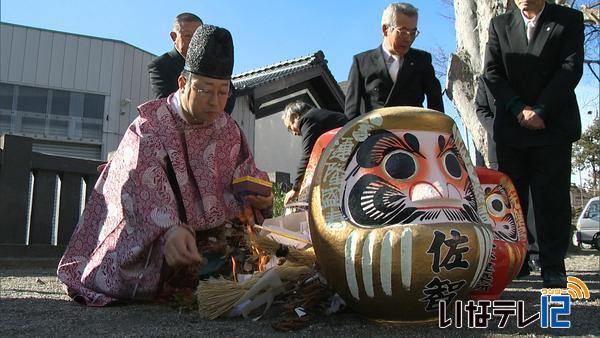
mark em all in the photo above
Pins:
pixel 263 94
pixel 74 95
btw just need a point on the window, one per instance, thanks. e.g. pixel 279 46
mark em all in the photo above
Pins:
pixel 32 100
pixel 93 106
pixel 6 97
pixel 594 210
pixel 60 103
pixel 32 106
pixel 93 112
pixel 58 121
pixel 42 112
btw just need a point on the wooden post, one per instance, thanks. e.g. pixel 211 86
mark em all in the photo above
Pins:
pixel 14 188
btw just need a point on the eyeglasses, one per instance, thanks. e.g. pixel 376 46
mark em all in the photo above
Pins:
pixel 212 93
pixel 406 33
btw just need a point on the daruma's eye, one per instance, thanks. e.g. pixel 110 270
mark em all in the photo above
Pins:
pixel 495 205
pixel 452 165
pixel 400 165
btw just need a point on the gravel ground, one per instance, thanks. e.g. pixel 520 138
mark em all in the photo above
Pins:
pixel 32 303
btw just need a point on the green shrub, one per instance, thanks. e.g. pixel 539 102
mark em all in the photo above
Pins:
pixel 278 195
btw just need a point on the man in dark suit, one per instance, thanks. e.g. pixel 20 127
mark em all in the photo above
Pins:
pixel 304 120
pixel 485 110
pixel 533 61
pixel 165 69
pixel 393 74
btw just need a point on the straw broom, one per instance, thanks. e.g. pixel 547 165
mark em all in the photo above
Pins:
pixel 301 257
pixel 218 296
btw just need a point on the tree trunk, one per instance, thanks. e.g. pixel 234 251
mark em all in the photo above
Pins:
pixel 472 20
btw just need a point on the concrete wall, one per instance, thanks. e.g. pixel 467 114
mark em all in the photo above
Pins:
pixel 275 149
pixel 244 117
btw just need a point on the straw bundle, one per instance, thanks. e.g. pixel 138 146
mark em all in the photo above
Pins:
pixel 218 296
pixel 301 257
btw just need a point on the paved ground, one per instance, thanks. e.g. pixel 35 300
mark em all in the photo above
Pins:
pixel 32 304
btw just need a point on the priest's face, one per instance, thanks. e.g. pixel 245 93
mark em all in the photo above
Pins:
pixel 203 99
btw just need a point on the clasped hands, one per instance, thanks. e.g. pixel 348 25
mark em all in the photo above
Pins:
pixel 530 119
pixel 180 243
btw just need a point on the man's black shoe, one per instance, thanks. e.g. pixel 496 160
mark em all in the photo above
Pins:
pixel 554 279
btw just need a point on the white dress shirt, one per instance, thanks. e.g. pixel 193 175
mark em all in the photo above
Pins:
pixel 392 62
pixel 530 24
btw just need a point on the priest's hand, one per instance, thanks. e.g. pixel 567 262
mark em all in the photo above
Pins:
pixel 180 247
pixel 259 202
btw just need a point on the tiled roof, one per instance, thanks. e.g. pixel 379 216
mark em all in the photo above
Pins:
pixel 260 76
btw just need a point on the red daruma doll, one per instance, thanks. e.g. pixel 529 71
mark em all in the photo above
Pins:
pixel 510 234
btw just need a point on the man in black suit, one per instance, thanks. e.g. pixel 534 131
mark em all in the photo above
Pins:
pixel 485 110
pixel 533 61
pixel 393 74
pixel 165 69
pixel 302 119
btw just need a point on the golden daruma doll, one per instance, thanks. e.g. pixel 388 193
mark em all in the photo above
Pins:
pixel 510 234
pixel 397 216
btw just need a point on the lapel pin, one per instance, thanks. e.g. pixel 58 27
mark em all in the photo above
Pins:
pixel 412 63
pixel 547 29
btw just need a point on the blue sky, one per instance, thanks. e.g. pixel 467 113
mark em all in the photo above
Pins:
pixel 264 31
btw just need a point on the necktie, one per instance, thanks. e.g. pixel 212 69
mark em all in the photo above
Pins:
pixel 530 30
pixel 393 68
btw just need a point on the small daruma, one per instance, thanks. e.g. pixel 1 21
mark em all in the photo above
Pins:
pixel 397 216
pixel 510 234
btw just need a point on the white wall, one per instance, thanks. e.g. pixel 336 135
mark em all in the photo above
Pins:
pixel 275 149
pixel 243 116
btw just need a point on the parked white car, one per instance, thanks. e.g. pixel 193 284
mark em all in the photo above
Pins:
pixel 588 224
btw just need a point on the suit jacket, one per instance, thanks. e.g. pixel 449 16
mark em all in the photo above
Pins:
pixel 542 74
pixel 370 86
pixel 485 105
pixel 164 72
pixel 485 109
pixel 313 124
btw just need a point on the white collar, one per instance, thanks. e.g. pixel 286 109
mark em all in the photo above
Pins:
pixel 535 18
pixel 387 54
pixel 176 104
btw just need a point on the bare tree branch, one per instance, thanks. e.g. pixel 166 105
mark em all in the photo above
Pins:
pixel 589 64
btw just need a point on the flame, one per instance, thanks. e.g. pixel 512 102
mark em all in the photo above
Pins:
pixel 262 262
pixel 234 269
pixel 246 218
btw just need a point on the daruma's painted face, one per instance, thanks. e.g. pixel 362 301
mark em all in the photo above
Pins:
pixel 398 177
pixel 500 211
pixel 397 215
pixel 510 234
